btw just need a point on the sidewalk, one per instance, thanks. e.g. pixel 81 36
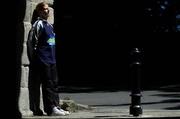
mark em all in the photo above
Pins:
pixel 101 113
pixel 115 104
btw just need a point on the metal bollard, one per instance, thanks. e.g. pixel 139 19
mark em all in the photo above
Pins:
pixel 135 77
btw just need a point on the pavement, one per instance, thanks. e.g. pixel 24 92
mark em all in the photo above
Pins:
pixel 162 103
pixel 101 113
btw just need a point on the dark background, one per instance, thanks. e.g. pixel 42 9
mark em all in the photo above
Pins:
pixel 96 37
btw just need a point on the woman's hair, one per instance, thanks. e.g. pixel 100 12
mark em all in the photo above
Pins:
pixel 36 14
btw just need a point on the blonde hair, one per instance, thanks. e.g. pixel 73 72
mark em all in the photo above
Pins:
pixel 40 6
pixel 36 14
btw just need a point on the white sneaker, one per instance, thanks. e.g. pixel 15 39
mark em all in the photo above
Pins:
pixel 57 112
pixel 66 112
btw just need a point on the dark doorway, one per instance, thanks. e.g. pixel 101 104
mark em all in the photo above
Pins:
pixel 91 52
pixel 95 39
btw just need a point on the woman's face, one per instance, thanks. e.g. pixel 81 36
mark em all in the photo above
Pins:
pixel 45 12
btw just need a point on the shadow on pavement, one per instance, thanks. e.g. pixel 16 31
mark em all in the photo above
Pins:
pixel 173 93
pixel 173 108
pixel 145 103
pixel 170 88
pixel 168 98
pixel 87 89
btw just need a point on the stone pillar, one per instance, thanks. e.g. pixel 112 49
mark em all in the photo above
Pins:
pixel 24 94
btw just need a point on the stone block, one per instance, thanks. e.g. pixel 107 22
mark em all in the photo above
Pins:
pixel 25 60
pixel 29 11
pixel 38 1
pixel 24 102
pixel 27 27
pixel 49 1
pixel 24 77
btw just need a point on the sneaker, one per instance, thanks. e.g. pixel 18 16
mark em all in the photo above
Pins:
pixel 57 112
pixel 66 112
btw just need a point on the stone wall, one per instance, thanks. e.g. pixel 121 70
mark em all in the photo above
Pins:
pixel 24 97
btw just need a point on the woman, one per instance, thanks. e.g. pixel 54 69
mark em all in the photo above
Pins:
pixel 42 69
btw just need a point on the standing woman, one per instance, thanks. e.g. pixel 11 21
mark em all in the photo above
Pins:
pixel 42 71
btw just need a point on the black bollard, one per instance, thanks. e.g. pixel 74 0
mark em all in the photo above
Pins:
pixel 135 77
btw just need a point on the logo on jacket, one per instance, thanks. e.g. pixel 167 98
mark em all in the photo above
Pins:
pixel 51 41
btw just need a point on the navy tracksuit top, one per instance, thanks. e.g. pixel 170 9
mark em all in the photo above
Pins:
pixel 46 42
